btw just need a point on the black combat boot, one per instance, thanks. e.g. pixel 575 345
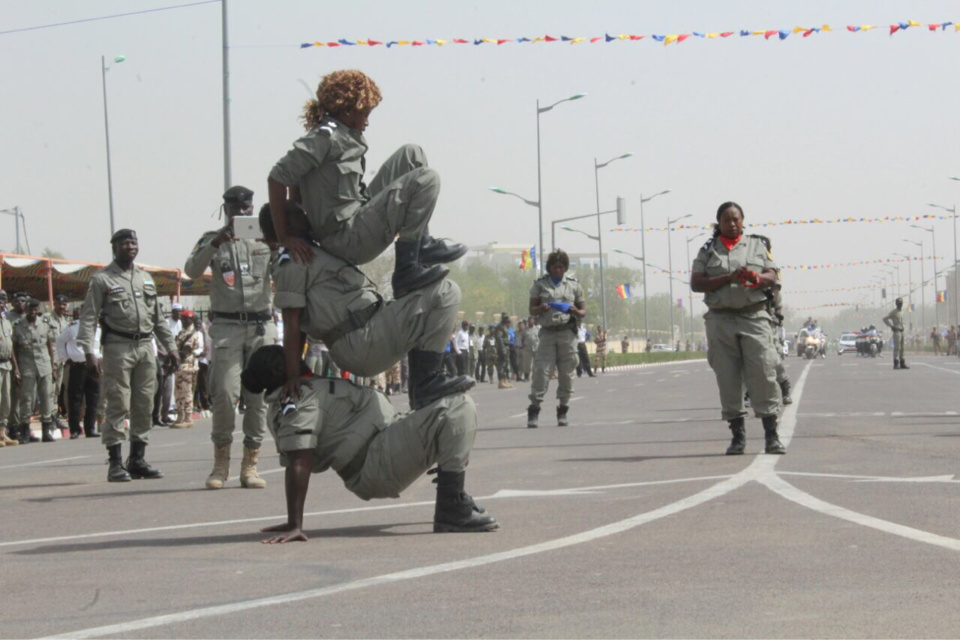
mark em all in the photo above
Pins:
pixel 408 274
pixel 91 432
pixel 439 251
pixel 26 434
pixel 429 381
pixel 455 510
pixel 47 430
pixel 562 415
pixel 903 364
pixel 533 415
pixel 116 472
pixel 896 364
pixel 137 467
pixel 773 444
pixel 785 392
pixel 739 441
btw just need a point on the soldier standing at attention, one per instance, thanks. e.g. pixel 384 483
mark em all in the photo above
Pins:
pixel 324 172
pixel 600 340
pixel 501 337
pixel 189 347
pixel 17 310
pixel 894 320
pixel 240 302
pixel 8 371
pixel 734 270
pixel 58 321
pixel 123 298
pixel 556 300
pixel 34 342
pixel 490 351
pixel 472 350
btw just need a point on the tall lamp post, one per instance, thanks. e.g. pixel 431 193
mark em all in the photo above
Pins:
pixel 17 218
pixel 532 203
pixel 936 307
pixel 670 224
pixel 956 276
pixel 923 303
pixel 596 181
pixel 540 110
pixel 106 130
pixel 643 250
pixel 690 298
pixel 909 275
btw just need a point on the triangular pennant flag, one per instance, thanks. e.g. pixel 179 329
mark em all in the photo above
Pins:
pixel 744 33
pixel 682 37
pixel 608 38
pixel 913 23
pixel 852 28
pixel 659 38
pixel 670 39
pixel 306 45
pixel 726 34
pixel 894 28
pixel 769 34
pixel 549 39
pixel 784 34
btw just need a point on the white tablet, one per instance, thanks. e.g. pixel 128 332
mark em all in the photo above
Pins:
pixel 247 227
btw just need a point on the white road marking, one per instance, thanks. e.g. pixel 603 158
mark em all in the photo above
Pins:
pixel 949 479
pixel 164 446
pixel 612 390
pixel 639 384
pixel 924 364
pixel 34 464
pixel 781 487
pixel 762 465
pixel 517 415
pixel 262 473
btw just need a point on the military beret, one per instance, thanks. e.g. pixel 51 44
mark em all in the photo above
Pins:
pixel 123 234
pixel 61 298
pixel 237 194
pixel 18 295
pixel 32 302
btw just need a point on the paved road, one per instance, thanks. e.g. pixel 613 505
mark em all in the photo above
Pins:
pixel 631 522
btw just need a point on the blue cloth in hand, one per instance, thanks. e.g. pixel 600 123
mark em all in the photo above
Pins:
pixel 562 307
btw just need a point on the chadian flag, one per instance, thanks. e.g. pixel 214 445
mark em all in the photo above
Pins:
pixel 941 296
pixel 525 262
pixel 623 290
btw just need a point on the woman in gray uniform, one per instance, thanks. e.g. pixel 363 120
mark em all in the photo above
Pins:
pixel 733 270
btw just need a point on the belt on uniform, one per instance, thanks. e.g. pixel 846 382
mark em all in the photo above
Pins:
pixel 355 320
pixel 136 337
pixel 760 306
pixel 243 316
pixel 354 467
pixel 560 327
pixel 896 330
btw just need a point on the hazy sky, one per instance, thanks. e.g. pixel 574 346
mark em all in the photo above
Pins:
pixel 833 125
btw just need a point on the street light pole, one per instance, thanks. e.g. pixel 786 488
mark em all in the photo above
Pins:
pixel 923 303
pixel 643 251
pixel 596 182
pixel 690 289
pixel 936 308
pixel 106 131
pixel 15 212
pixel 670 266
pixel 956 276
pixel 225 41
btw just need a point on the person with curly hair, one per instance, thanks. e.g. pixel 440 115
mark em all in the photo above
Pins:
pixel 351 220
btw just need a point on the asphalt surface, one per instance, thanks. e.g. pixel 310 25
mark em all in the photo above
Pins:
pixel 630 522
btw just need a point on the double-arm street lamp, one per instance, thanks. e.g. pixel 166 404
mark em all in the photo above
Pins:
pixel 17 221
pixel 909 260
pixel 936 308
pixel 690 299
pixel 596 181
pixel 956 276
pixel 670 224
pixel 643 250
pixel 923 303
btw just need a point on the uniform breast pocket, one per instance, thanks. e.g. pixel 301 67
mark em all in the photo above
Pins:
pixel 716 266
pixel 150 299
pixel 348 186
pixel 118 304
pixel 259 261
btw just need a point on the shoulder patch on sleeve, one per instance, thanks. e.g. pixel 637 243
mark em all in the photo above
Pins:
pixel 283 256
pixel 764 239
pixel 706 245
pixel 117 289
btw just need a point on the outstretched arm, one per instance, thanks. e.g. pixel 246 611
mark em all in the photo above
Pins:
pixel 296 485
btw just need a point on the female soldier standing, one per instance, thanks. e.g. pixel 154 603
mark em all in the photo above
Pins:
pixel 556 299
pixel 733 271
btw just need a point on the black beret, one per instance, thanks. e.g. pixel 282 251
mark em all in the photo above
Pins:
pixel 123 234
pixel 33 303
pixel 237 194
pixel 61 298
pixel 18 295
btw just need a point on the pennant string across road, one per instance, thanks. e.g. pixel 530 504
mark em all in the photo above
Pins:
pixel 666 38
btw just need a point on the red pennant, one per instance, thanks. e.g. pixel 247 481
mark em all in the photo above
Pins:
pixel 769 34
pixel 460 41
pixel 549 39
pixel 333 44
pixel 417 43
pixel 806 34
pixel 726 34
pixel 933 27
pixel 851 29
pixel 373 43
pixel 894 28
pixel 501 41
pixel 636 37
pixel 594 39
pixel 682 37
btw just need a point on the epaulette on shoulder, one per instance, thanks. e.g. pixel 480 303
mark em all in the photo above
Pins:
pixel 764 239
pixel 283 256
pixel 706 245
pixel 326 127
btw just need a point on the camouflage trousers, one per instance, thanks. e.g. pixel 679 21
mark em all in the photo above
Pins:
pixel 183 392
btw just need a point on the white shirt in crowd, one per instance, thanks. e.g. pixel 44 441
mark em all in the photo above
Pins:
pixel 461 342
pixel 67 349
pixel 582 334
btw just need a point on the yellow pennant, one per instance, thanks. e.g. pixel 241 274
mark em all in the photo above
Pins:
pixel 913 23
pixel 713 35
pixel 440 42
pixel 403 42
pixel 577 40
pixel 669 39
pixel 826 27
pixel 319 44
pixel 867 27
pixel 799 29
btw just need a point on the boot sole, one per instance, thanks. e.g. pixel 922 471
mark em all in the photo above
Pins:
pixel 734 453
pixel 137 476
pixel 451 257
pixel 400 293
pixel 127 479
pixel 775 453
pixel 453 528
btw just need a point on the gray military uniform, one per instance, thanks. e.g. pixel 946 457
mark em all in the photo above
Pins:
pixel 240 299
pixel 894 320
pixel 32 343
pixel 126 302
pixel 351 220
pixel 6 370
pixel 57 325
pixel 13 417
pixel 557 338
pixel 365 336
pixel 377 451
pixel 739 329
